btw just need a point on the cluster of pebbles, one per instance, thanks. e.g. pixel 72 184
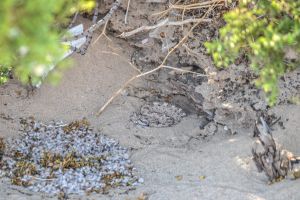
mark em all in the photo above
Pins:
pixel 72 159
pixel 158 114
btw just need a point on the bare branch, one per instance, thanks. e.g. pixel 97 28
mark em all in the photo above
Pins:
pixel 165 22
pixel 126 15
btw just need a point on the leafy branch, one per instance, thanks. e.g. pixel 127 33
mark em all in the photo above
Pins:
pixel 262 31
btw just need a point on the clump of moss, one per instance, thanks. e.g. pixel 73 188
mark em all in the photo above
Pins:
pixel 18 155
pixel 18 181
pixel 51 160
pixel 108 178
pixel 70 161
pixel 77 125
pixel 23 168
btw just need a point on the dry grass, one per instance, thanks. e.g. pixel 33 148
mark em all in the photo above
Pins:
pixel 185 6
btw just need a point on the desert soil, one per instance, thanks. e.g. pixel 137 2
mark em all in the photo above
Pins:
pixel 175 162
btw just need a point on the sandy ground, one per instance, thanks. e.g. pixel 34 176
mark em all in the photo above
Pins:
pixel 159 154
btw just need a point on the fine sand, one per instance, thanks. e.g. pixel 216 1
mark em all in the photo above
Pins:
pixel 174 162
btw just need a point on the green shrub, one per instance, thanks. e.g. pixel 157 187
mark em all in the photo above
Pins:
pixel 30 34
pixel 261 30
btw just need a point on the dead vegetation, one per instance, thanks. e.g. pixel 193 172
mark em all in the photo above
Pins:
pixel 270 158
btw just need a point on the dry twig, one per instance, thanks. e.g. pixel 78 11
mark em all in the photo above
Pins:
pixel 73 20
pixel 190 51
pixel 165 22
pixel 165 12
pixel 103 33
pixel 126 15
pixel 89 37
pixel 177 6
pixel 106 18
pixel 89 32
pixel 205 4
pixel 184 71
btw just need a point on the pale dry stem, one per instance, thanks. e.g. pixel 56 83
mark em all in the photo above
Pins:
pixel 103 33
pixel 165 12
pixel 183 71
pixel 205 4
pixel 190 51
pixel 165 22
pixel 127 10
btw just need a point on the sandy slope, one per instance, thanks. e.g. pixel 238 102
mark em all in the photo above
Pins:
pixel 159 154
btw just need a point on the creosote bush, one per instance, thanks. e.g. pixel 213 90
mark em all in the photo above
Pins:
pixel 262 31
pixel 30 34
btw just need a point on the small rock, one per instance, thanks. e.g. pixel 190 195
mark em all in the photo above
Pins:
pixel 141 180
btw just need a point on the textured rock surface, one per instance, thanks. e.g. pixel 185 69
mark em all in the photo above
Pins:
pixel 158 114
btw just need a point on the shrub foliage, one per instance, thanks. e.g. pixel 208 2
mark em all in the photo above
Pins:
pixel 261 30
pixel 30 34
